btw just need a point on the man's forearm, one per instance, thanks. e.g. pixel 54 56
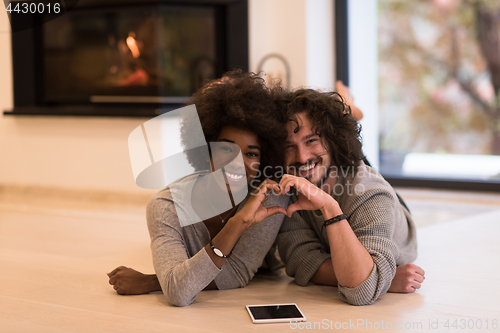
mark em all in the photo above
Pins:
pixel 325 274
pixel 351 262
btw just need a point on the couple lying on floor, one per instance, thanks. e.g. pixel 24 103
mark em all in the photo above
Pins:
pixel 334 219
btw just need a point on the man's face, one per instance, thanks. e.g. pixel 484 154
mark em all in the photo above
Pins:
pixel 305 152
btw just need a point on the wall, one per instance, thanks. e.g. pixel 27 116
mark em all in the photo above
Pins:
pixel 363 71
pixel 299 30
pixel 92 153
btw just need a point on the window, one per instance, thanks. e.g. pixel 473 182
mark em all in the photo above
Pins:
pixel 433 66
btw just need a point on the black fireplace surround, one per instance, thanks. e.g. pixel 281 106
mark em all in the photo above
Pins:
pixel 126 58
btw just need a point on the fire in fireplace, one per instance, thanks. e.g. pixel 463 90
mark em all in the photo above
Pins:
pixel 127 57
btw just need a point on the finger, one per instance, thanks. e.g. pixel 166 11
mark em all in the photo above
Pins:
pixel 258 189
pixel 264 184
pixel 112 280
pixel 300 184
pixel 114 271
pixel 272 189
pixel 263 191
pixel 282 184
pixel 416 285
pixel 409 290
pixel 116 286
pixel 305 188
pixel 292 209
pixel 270 181
pixel 287 183
pixel 418 270
pixel 267 189
pixel 418 278
pixel 286 178
pixel 275 189
pixel 415 268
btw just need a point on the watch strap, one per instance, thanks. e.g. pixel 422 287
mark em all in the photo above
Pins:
pixel 218 252
pixel 335 219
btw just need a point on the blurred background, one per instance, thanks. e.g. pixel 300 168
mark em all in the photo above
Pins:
pixel 426 74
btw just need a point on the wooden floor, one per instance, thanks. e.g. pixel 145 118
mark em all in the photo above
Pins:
pixel 54 259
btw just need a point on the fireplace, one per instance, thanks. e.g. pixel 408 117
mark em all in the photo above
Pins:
pixel 126 58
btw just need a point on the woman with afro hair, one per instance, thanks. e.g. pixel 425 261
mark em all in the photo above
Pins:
pixel 224 251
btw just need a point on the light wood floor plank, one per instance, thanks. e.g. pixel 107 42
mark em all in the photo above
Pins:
pixel 53 266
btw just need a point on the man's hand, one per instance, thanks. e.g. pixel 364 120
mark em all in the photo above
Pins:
pixel 128 281
pixel 254 211
pixel 310 197
pixel 408 279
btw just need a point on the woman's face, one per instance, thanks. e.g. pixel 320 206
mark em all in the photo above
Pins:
pixel 250 151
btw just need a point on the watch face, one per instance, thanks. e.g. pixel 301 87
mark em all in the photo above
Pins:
pixel 218 252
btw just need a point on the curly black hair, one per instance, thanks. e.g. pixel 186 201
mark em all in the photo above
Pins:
pixel 243 101
pixel 332 120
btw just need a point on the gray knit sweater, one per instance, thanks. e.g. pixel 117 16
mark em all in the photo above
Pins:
pixel 379 221
pixel 181 263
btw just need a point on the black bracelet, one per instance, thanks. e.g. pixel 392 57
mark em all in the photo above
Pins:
pixel 335 219
pixel 218 252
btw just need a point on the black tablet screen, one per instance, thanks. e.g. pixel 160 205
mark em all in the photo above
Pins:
pixel 275 312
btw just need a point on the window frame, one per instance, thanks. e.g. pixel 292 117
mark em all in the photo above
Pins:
pixel 343 62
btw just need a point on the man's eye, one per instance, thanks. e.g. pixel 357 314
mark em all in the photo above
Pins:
pixel 289 147
pixel 312 140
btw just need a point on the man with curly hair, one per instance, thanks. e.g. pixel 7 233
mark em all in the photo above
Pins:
pixel 352 231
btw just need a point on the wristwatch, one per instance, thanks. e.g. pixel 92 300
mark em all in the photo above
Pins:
pixel 218 252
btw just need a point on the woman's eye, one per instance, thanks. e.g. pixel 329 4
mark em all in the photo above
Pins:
pixel 226 148
pixel 252 154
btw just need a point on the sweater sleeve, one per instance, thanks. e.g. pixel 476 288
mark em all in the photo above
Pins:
pixel 181 277
pixel 373 222
pixel 250 250
pixel 300 249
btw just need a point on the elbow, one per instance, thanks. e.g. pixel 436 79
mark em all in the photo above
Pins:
pixel 360 301
pixel 358 297
pixel 178 300
pixel 180 303
pixel 367 292
pixel 175 295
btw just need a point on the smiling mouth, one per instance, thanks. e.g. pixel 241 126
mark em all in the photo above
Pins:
pixel 307 167
pixel 233 176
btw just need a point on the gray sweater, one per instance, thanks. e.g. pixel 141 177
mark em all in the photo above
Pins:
pixel 181 263
pixel 379 221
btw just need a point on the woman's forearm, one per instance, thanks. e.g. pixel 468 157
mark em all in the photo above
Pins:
pixel 153 283
pixel 226 239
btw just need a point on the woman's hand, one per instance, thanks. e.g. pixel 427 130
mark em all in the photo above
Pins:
pixel 128 281
pixel 254 211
